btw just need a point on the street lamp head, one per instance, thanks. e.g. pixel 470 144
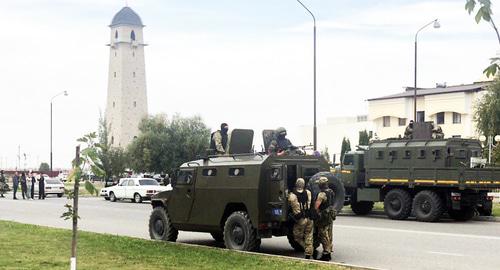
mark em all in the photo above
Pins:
pixel 482 138
pixel 437 24
pixel 497 138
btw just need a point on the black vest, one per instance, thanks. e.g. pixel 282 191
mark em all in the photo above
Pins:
pixel 302 198
pixel 329 199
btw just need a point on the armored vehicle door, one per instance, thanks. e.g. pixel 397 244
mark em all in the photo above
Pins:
pixel 277 188
pixel 182 195
pixel 267 136
pixel 241 141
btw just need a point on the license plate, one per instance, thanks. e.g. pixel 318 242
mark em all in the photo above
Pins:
pixel 277 212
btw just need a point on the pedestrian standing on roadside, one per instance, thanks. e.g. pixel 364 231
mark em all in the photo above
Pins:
pixel 33 181
pixel 24 186
pixel 41 187
pixel 28 184
pixel 15 184
pixel 3 184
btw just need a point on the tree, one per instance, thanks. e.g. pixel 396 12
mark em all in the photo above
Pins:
pixel 44 167
pixel 112 159
pixel 484 13
pixel 364 138
pixel 164 144
pixel 346 146
pixel 487 114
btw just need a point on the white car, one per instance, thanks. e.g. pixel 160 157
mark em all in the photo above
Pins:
pixel 135 189
pixel 52 186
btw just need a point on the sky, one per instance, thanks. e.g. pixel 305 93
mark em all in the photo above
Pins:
pixel 245 62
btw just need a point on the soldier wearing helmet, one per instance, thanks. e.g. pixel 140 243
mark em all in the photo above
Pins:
pixel 326 212
pixel 280 144
pixel 300 202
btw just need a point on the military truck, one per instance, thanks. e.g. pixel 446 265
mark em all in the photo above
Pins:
pixel 238 198
pixel 424 177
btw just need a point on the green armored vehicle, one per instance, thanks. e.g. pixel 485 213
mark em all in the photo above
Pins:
pixel 239 198
pixel 423 177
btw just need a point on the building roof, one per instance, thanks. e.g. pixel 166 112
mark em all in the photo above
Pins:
pixel 126 16
pixel 475 87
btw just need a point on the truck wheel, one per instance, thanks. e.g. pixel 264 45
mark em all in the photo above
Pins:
pixel 160 226
pixel 397 204
pixel 218 236
pixel 295 245
pixel 362 208
pixel 464 214
pixel 485 209
pixel 239 234
pixel 428 206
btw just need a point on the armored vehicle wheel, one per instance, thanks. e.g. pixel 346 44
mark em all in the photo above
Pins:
pixel 334 183
pixel 239 233
pixel 160 226
pixel 397 204
pixel 137 198
pixel 295 245
pixel 112 197
pixel 462 214
pixel 428 206
pixel 218 236
pixel 361 208
pixel 485 210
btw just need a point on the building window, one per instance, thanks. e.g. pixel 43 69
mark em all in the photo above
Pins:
pixel 387 121
pixel 132 35
pixel 362 118
pixel 421 116
pixel 116 34
pixel 440 118
pixel 402 121
pixel 457 118
pixel 135 104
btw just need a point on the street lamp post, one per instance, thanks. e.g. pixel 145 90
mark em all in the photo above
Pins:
pixel 492 141
pixel 65 93
pixel 435 25
pixel 315 132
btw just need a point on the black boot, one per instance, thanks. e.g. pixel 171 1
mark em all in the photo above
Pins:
pixel 326 257
pixel 315 254
pixel 308 257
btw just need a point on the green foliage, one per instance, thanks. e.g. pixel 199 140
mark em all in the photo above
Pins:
pixel 487 114
pixel 346 146
pixel 364 138
pixel 44 167
pixel 164 144
pixel 113 159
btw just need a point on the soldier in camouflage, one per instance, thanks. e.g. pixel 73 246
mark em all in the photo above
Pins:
pixel 220 139
pixel 3 185
pixel 280 144
pixel 326 212
pixel 300 202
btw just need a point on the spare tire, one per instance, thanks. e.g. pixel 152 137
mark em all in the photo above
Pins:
pixel 334 183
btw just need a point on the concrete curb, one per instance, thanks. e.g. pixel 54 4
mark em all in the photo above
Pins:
pixel 382 214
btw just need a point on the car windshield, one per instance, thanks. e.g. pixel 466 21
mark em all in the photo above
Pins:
pixel 148 182
pixel 53 181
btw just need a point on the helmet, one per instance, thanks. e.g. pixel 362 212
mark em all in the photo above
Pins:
pixel 300 184
pixel 281 131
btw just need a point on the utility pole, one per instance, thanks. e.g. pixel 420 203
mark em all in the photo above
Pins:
pixel 75 213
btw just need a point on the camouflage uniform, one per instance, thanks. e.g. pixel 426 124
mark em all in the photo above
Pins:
pixel 409 131
pixel 3 185
pixel 438 133
pixel 303 227
pixel 220 147
pixel 325 228
pixel 280 144
pixel 220 139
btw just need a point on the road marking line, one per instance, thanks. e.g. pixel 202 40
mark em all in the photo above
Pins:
pixel 420 232
pixel 446 253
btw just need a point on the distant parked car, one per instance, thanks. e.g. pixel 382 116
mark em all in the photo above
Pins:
pixel 52 187
pixel 135 189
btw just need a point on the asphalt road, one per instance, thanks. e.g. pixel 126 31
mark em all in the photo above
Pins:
pixel 372 241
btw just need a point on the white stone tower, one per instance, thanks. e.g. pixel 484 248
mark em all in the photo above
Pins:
pixel 127 102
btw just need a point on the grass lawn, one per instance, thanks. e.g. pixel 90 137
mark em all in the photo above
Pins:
pixel 47 248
